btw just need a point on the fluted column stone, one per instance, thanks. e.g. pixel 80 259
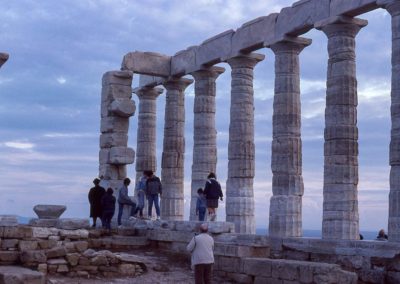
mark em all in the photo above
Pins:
pixel 241 149
pixel 393 7
pixel 204 132
pixel 340 205
pixel 146 156
pixel 285 217
pixel 172 164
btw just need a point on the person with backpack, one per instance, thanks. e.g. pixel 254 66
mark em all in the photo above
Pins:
pixel 153 191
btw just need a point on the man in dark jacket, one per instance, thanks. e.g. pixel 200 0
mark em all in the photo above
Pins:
pixel 95 195
pixel 212 191
pixel 108 203
pixel 153 189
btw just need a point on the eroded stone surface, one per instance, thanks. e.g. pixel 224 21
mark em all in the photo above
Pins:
pixel 49 211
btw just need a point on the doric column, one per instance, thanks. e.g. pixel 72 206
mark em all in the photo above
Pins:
pixel 172 170
pixel 286 160
pixel 241 150
pixel 146 133
pixel 204 132
pixel 340 205
pixel 393 8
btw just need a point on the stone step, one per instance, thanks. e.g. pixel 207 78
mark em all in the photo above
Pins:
pixel 20 275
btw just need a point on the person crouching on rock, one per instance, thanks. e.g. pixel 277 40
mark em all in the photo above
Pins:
pixel 124 199
pixel 108 203
pixel 95 195
pixel 201 247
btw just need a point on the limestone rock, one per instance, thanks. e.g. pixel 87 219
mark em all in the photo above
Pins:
pixel 73 223
pixel 20 275
pixel 8 220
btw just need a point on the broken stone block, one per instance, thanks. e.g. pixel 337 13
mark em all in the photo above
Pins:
pixel 73 224
pixel 122 155
pixel 123 107
pixel 20 275
pixel 8 220
pixel 49 211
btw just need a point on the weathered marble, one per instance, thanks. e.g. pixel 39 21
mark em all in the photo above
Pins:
pixel 340 218
pixel 204 132
pixel 241 152
pixel 393 8
pixel 172 164
pixel 285 219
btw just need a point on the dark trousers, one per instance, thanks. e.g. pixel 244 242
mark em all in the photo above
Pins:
pixel 107 216
pixel 203 273
pixel 153 198
pixel 202 213
pixel 121 209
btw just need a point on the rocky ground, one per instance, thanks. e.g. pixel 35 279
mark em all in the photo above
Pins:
pixel 161 268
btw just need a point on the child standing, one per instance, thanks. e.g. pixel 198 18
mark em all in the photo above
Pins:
pixel 108 203
pixel 201 204
pixel 140 188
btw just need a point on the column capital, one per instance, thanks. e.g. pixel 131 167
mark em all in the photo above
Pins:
pixel 148 92
pixel 291 44
pixel 392 6
pixel 179 84
pixel 212 72
pixel 246 60
pixel 341 25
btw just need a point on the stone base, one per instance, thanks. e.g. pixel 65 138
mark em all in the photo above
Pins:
pixel 35 222
pixel 8 220
pixel 19 275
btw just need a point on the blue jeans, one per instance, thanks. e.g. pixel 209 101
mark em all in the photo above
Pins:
pixel 153 198
pixel 140 204
pixel 202 213
pixel 121 209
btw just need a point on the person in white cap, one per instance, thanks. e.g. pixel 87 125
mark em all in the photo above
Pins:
pixel 202 248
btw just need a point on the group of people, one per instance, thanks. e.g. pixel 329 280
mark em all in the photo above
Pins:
pixel 102 202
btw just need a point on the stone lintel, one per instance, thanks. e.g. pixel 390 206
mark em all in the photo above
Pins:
pixel 215 50
pixel 3 58
pixel 340 20
pixel 300 18
pixel 254 35
pixel 149 63
pixel 351 8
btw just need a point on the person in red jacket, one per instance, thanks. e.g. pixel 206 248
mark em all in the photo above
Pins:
pixel 213 192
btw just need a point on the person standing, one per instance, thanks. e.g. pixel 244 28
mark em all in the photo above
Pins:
pixel 201 247
pixel 95 195
pixel 213 192
pixel 201 205
pixel 382 236
pixel 124 199
pixel 108 203
pixel 153 190
pixel 140 191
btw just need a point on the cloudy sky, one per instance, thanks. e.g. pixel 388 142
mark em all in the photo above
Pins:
pixel 50 98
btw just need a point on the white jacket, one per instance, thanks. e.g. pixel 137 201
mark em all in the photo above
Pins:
pixel 201 247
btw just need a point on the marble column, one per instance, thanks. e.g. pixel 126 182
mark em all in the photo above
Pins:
pixel 285 218
pixel 241 150
pixel 340 205
pixel 204 132
pixel 393 8
pixel 172 164
pixel 146 133
pixel 116 108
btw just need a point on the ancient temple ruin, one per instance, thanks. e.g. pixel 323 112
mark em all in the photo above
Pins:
pixel 281 32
